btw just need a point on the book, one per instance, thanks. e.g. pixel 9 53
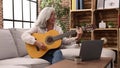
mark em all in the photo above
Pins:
pixel 77 4
pixel 100 4
pixel 81 3
pixel 74 5
pixel 111 4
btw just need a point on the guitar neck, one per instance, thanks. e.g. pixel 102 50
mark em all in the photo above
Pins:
pixel 64 35
pixel 87 28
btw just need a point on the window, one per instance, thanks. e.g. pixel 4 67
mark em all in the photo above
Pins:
pixel 19 13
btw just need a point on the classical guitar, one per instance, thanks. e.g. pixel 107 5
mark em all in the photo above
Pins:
pixel 52 40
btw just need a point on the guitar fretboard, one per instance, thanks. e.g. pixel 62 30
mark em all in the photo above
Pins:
pixel 64 35
pixel 87 28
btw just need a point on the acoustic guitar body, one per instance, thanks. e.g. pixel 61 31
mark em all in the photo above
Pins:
pixel 35 52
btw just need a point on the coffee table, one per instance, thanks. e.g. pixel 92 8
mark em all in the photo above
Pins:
pixel 101 63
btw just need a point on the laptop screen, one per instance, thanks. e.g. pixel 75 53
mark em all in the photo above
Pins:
pixel 91 50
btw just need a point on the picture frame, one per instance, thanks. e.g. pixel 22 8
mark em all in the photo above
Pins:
pixel 100 4
pixel 111 4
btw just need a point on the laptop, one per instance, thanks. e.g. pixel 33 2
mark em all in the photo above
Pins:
pixel 91 50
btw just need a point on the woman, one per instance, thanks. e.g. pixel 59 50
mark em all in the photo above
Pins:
pixel 44 23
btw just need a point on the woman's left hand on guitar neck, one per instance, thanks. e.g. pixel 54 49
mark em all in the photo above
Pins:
pixel 79 33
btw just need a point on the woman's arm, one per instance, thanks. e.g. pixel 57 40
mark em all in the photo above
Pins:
pixel 27 37
pixel 73 39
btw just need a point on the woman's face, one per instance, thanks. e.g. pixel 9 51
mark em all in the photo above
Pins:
pixel 52 18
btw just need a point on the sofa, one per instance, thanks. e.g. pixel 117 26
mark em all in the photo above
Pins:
pixel 13 52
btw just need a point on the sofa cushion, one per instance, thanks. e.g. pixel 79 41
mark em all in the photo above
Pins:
pixel 22 61
pixel 16 33
pixel 11 66
pixel 32 63
pixel 7 45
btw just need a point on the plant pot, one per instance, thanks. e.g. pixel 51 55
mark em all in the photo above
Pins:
pixel 110 26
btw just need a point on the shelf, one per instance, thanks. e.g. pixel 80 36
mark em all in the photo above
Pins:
pixel 81 10
pixel 78 18
pixel 107 9
pixel 107 16
pixel 91 15
pixel 110 35
pixel 106 29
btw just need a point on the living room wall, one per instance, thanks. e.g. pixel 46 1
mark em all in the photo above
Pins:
pixel 64 2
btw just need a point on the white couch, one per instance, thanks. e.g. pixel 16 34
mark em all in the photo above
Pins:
pixel 12 66
pixel 13 52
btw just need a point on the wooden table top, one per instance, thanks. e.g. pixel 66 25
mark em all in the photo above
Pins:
pixel 100 63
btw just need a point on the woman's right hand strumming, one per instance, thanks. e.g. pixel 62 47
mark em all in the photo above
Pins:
pixel 40 45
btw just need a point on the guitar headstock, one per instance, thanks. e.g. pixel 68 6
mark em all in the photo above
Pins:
pixel 88 27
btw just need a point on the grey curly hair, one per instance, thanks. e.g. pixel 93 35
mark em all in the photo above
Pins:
pixel 43 17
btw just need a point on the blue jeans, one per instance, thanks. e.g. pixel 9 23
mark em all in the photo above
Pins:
pixel 53 56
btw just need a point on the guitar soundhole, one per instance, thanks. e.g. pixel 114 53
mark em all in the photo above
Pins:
pixel 37 48
pixel 49 40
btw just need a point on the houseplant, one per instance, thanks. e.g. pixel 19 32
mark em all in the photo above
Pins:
pixel 83 24
pixel 61 11
pixel 110 24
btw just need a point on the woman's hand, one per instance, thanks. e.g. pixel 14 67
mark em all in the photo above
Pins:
pixel 40 45
pixel 79 33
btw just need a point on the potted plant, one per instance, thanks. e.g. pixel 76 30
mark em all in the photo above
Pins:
pixel 83 24
pixel 110 24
